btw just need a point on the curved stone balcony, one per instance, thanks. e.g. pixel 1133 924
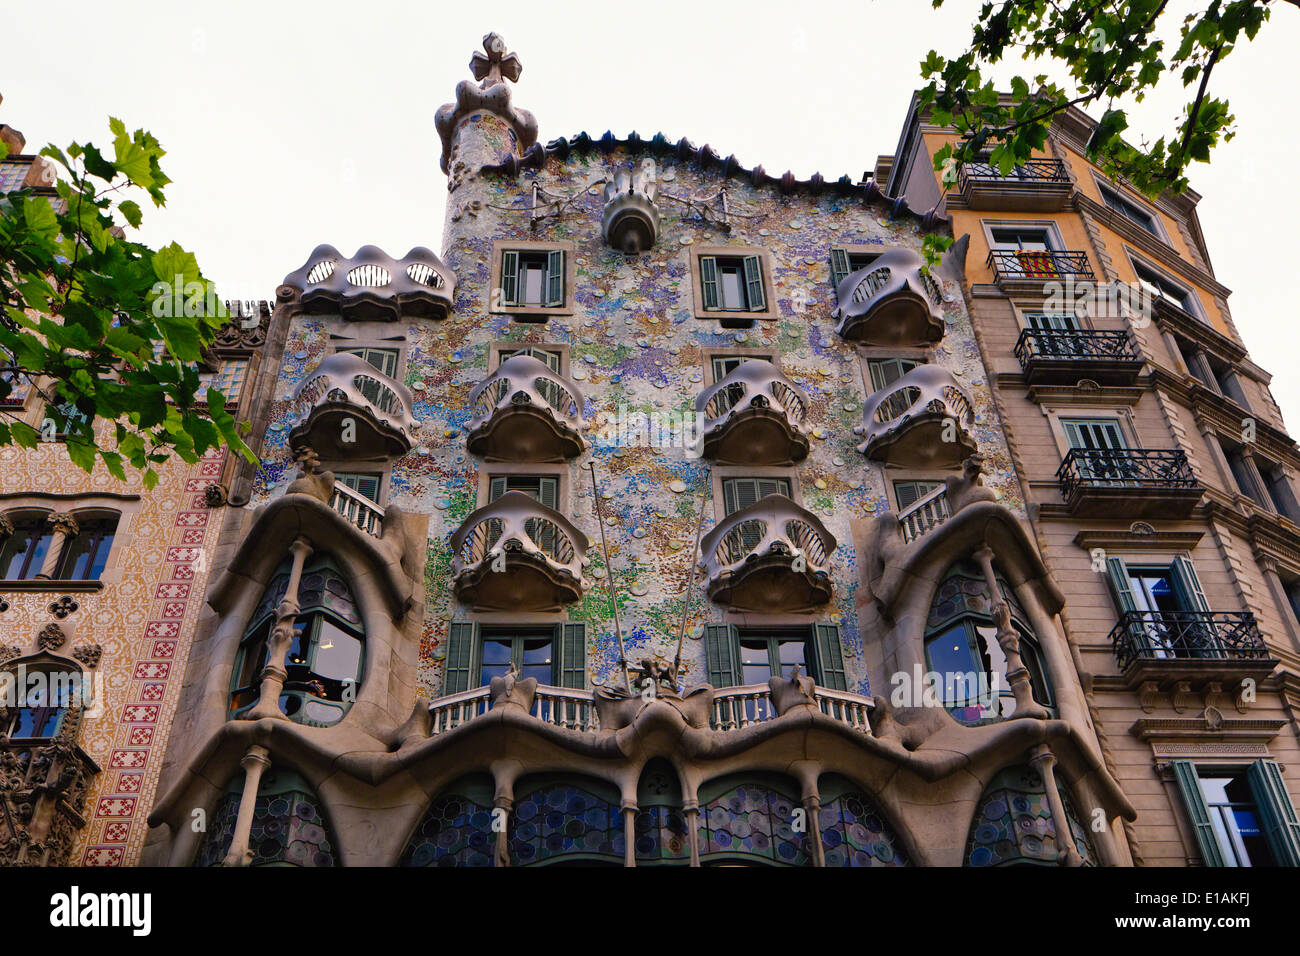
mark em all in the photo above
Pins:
pixel 922 420
pixel 891 302
pixel 524 411
pixel 769 557
pixel 754 416
pixel 516 554
pixel 347 408
pixel 372 285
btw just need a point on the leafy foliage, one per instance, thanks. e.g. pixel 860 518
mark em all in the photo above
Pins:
pixel 1110 51
pixel 105 328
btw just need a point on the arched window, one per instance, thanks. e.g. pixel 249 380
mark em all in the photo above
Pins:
pixel 854 833
pixel 1013 823
pixel 42 695
pixel 325 657
pixel 86 554
pixel 560 820
pixel 289 826
pixel 749 820
pixel 659 827
pixel 456 830
pixel 23 552
pixel 961 646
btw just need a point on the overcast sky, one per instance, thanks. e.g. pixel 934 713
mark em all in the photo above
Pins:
pixel 288 125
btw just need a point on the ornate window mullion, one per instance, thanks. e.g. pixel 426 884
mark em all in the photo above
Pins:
pixel 65 528
pixel 286 616
pixel 254 763
pixel 1044 761
pixel 1009 641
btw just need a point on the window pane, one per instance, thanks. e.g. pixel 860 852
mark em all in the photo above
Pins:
pixel 532 282
pixel 24 552
pixel 732 287
pixel 755 662
pixel 536 659
pixel 338 654
pixel 496 658
pixel 792 653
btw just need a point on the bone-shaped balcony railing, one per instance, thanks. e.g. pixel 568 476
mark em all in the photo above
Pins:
pixel 346 378
pixel 753 384
pixel 893 290
pixel 520 525
pixel 773 525
pixel 524 380
pixel 925 389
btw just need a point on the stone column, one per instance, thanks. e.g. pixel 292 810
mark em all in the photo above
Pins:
pixel 65 528
pixel 1044 761
pixel 1227 480
pixel 1263 497
pixel 274 673
pixel 691 812
pixel 1009 641
pixel 629 835
pixel 255 763
pixel 503 835
pixel 1285 609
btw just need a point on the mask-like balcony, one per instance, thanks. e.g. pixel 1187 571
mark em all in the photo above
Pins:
pixel 516 554
pixel 348 409
pixel 1036 185
pixel 922 420
pixel 1050 357
pixel 524 411
pixel 373 286
pixel 1191 647
pixel 754 416
pixel 769 557
pixel 891 302
pixel 1128 483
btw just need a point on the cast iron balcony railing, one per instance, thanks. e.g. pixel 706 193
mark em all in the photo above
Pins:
pixel 1128 482
pixel 1019 265
pixel 524 411
pixel 754 416
pixel 516 554
pixel 1039 185
pixel 1063 357
pixel 925 514
pixel 359 510
pixel 1187 636
pixel 892 301
pixel 1030 171
pixel 921 420
pixel 771 556
pixel 348 409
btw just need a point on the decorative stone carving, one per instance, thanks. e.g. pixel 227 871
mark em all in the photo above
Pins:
pixel 754 416
pixel 247 327
pixel 6 526
pixel 510 690
pixel 4 605
pixel 51 638
pixel 88 654
pixel 312 479
pixel 922 420
pixel 8 652
pixel 893 301
pixel 798 691
pixel 1141 527
pixel 372 285
pixel 630 222
pixel 491 94
pixel 215 495
pixel 63 521
pixel 523 411
pixel 63 607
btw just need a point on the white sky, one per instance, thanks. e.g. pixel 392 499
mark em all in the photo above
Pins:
pixel 290 125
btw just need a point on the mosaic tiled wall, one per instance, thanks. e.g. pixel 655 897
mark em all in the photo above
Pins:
pixel 635 343
pixel 143 618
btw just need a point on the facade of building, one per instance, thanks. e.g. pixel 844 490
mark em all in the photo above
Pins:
pixel 1159 481
pixel 677 514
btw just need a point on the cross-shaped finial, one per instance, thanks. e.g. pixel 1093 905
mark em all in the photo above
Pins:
pixel 498 64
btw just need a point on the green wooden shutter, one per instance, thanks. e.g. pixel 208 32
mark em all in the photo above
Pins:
pixel 555 278
pixel 1186 586
pixel 754 284
pixel 709 282
pixel 509 278
pixel 1120 585
pixel 459 664
pixel 1189 786
pixel 548 491
pixel 839 267
pixel 496 488
pixel 829 657
pixel 1277 814
pixel 722 653
pixel 571 658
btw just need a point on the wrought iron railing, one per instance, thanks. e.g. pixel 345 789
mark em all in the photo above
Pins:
pixel 1075 346
pixel 1187 636
pixel 1030 171
pixel 1134 468
pixel 1039 264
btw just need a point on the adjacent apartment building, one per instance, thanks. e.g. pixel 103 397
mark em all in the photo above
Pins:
pixel 676 513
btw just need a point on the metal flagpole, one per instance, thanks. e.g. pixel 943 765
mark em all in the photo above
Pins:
pixel 609 578
pixel 690 579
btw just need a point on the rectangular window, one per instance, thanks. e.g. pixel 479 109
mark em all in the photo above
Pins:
pixel 765 652
pixel 845 263
pixel 1093 433
pixel 385 360
pixel 555 654
pixel 542 488
pixel 529 650
pixel 533 278
pixel 740 493
pixel 1129 210
pixel 1240 818
pixel 908 493
pixel 363 484
pixel 551 358
pixel 885 372
pixel 1022 238
pixel 724 365
pixel 739 656
pixel 732 284
pixel 1164 288
pixel 1052 321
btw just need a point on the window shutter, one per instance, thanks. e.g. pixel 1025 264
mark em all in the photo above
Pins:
pixel 1186 586
pixel 830 657
pixel 1120 586
pixel 738 493
pixel 460 657
pixel 509 278
pixel 839 267
pixel 1277 814
pixel 773 486
pixel 709 282
pixel 548 491
pixel 555 278
pixel 572 657
pixel 754 284
pixel 1189 786
pixel 496 488
pixel 722 653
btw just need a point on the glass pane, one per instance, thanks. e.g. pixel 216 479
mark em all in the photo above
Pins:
pixel 755 661
pixel 24 553
pixel 792 653
pixel 496 658
pixel 732 287
pixel 338 654
pixel 532 280
pixel 536 659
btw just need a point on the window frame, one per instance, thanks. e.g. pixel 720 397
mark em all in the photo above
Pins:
pixel 496 303
pixel 1106 191
pixel 497 351
pixel 770 309
pixel 850 251
pixel 1190 303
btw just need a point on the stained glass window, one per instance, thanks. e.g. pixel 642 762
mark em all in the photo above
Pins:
pixel 559 821
pixel 852 829
pixel 752 818
pixel 288 829
pixel 456 830
pixel 1013 823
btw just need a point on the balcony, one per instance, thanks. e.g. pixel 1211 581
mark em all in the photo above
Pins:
pixel 516 554
pixel 735 708
pixel 348 409
pixel 373 286
pixel 924 515
pixel 754 416
pixel 922 420
pixel 769 557
pixel 1025 272
pixel 1128 483
pixel 891 302
pixel 524 411
pixel 1190 647
pixel 1036 185
pixel 1062 358
pixel 358 510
